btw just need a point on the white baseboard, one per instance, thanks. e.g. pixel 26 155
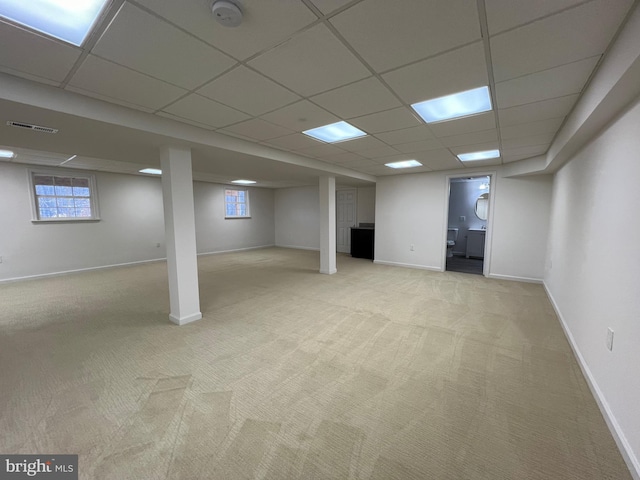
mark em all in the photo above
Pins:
pixel 514 278
pixel 216 252
pixel 186 319
pixel 408 265
pixel 297 247
pixel 616 431
pixel 77 270
pixel 329 272
pixel 115 265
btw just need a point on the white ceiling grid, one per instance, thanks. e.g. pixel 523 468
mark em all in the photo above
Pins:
pixel 298 64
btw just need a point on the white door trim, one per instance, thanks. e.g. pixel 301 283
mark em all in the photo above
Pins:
pixel 486 268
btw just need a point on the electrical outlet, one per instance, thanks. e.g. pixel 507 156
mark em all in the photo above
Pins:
pixel 609 339
pixel 411 247
pixel 462 218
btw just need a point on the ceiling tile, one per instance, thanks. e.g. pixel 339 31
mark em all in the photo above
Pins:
pixel 406 135
pixel 357 99
pixel 111 80
pixel 105 98
pixel 361 144
pixel 441 159
pixel 506 14
pixel 264 24
pixel 542 139
pixel 200 109
pixel 386 121
pixel 35 54
pixel 531 112
pixel 566 37
pixel 388 35
pixel 387 172
pixel 342 157
pixel 512 154
pixel 552 83
pixel 258 129
pixel 382 151
pixel 482 163
pixel 474 123
pixel 145 43
pixel 456 71
pixel 311 62
pixel 184 120
pixel 320 150
pixel 470 138
pixel 365 162
pixel 377 170
pixel 328 6
pixel 248 91
pixel 300 116
pixel 392 158
pixel 532 128
pixel 422 146
pixel 476 147
pixel 297 141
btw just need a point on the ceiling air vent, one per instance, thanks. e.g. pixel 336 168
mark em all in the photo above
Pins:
pixel 28 126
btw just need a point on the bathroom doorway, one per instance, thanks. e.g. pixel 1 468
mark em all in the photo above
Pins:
pixel 467 223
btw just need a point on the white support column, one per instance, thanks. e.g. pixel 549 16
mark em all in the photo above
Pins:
pixel 180 234
pixel 328 225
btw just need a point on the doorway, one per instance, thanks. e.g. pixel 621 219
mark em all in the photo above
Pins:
pixel 468 220
pixel 345 218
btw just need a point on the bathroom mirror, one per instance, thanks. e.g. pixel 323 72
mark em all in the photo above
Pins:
pixel 482 206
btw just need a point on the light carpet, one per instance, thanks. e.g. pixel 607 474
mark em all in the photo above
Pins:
pixel 376 372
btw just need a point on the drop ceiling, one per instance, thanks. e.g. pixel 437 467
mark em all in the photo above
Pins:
pixel 295 65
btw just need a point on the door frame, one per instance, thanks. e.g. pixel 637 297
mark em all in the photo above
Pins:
pixel 488 241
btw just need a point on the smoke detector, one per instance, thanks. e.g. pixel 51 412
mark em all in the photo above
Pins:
pixel 226 13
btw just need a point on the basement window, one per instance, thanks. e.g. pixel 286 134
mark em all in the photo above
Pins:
pixel 236 203
pixel 60 198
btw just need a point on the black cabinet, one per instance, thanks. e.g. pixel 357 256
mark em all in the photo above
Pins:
pixel 362 242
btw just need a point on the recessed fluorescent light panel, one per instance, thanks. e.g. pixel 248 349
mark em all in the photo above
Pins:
pixel 472 156
pixel 404 164
pixel 70 21
pixel 336 132
pixel 152 171
pixel 243 182
pixel 6 154
pixel 460 104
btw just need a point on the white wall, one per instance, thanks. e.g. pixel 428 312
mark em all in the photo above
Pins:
pixel 131 225
pixel 214 233
pixel 411 210
pixel 366 205
pixel 520 226
pixel 593 268
pixel 297 217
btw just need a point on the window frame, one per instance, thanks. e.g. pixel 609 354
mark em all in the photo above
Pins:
pixel 246 202
pixel 93 196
